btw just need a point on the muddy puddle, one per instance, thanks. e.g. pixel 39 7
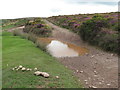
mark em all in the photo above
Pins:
pixel 63 49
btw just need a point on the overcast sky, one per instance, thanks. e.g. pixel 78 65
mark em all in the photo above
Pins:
pixel 46 8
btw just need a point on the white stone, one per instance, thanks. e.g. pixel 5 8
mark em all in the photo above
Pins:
pixel 23 69
pixel 108 84
pixel 46 75
pixel 35 69
pixel 57 77
pixel 81 71
pixel 13 69
pixel 37 73
pixel 77 71
pixel 20 66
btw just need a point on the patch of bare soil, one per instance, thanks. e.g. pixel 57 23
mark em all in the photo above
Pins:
pixel 97 68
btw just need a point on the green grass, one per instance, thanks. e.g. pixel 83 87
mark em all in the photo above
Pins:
pixel 8 27
pixel 18 51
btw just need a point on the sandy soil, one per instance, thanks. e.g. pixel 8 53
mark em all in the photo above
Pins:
pixel 95 69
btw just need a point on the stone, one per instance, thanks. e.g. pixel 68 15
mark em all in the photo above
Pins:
pixel 20 66
pixel 13 69
pixel 108 84
pixel 77 71
pixel 28 69
pixel 81 71
pixel 57 77
pixel 46 75
pixel 23 69
pixel 35 69
pixel 37 73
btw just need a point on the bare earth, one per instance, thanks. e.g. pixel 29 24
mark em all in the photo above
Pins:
pixel 97 68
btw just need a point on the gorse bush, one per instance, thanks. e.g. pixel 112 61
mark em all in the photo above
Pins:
pixel 90 28
pixel 37 27
pixel 92 31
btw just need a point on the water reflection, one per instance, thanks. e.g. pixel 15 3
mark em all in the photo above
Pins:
pixel 59 49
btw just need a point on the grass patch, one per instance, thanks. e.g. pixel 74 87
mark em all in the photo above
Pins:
pixel 8 27
pixel 18 51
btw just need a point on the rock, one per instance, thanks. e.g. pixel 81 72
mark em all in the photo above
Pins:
pixel 94 87
pixel 92 56
pixel 7 64
pixel 46 75
pixel 77 71
pixel 81 71
pixel 108 84
pixel 57 77
pixel 23 69
pixel 35 69
pixel 37 73
pixel 112 54
pixel 20 66
pixel 13 69
pixel 28 69
pixel 85 80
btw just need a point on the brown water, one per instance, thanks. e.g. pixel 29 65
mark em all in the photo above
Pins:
pixel 63 49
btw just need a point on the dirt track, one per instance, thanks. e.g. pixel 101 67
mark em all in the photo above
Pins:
pixel 98 68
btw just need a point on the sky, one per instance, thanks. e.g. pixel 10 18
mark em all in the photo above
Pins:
pixel 11 9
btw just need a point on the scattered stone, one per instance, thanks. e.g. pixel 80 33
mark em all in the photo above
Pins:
pixel 35 69
pixel 77 71
pixel 108 84
pixel 92 56
pixel 100 82
pixel 37 73
pixel 85 80
pixel 17 69
pixel 13 69
pixel 93 87
pixel 23 69
pixel 57 77
pixel 20 66
pixel 28 69
pixel 44 74
pixel 81 71
pixel 112 54
pixel 7 64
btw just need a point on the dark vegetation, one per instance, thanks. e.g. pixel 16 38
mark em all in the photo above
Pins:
pixel 96 29
pixel 37 27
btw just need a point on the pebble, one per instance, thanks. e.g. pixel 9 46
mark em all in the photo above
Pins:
pixel 92 86
pixel 57 77
pixel 108 84
pixel 77 71
pixel 13 69
pixel 20 66
pixel 85 80
pixel 81 71
pixel 92 56
pixel 23 69
pixel 35 69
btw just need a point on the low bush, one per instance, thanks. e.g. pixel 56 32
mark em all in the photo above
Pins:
pixel 37 27
pixel 92 31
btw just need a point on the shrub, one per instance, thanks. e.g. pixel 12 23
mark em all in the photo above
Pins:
pixel 37 27
pixel 91 31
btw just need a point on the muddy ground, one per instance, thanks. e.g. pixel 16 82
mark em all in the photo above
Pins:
pixel 97 68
